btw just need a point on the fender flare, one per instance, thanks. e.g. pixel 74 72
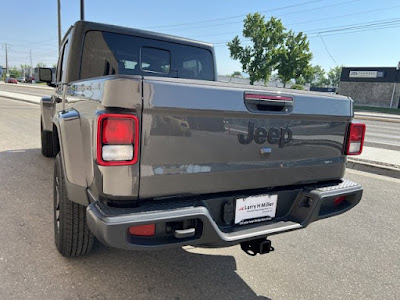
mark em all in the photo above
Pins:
pixel 47 112
pixel 68 125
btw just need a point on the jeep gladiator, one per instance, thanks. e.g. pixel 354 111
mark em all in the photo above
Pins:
pixel 152 152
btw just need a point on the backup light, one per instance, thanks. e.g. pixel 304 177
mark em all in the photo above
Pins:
pixel 117 139
pixel 355 139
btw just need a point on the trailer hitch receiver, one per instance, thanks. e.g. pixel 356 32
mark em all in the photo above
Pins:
pixel 258 246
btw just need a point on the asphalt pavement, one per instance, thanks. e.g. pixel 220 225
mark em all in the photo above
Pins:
pixel 352 256
pixel 27 89
pixel 382 135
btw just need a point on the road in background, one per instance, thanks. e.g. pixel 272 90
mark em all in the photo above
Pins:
pixel 27 89
pixel 381 134
pixel 352 256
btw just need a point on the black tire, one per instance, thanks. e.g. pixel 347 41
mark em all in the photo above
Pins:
pixel 71 232
pixel 47 142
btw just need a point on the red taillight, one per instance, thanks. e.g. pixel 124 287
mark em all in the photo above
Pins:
pixel 117 139
pixel 143 230
pixel 355 139
pixel 118 131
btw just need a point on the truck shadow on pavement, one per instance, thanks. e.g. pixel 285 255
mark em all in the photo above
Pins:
pixel 26 208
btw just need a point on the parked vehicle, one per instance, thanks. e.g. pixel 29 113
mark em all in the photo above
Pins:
pixel 151 152
pixel 10 80
pixel 30 79
pixel 21 79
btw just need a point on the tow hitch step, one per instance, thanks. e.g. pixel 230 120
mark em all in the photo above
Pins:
pixel 259 246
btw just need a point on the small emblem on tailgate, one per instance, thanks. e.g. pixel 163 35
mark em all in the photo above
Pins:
pixel 281 136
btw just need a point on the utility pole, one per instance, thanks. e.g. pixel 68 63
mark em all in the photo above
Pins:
pixel 59 22
pixel 30 69
pixel 82 10
pixel 6 61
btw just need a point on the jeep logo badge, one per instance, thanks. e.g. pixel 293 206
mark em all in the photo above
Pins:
pixel 281 136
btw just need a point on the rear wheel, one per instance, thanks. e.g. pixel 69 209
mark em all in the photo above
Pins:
pixel 71 232
pixel 47 141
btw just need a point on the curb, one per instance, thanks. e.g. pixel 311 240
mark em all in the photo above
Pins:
pixel 373 168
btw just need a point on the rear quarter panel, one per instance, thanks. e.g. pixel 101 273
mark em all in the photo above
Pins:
pixel 86 100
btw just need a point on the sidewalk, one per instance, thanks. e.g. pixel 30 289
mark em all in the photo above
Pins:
pixel 21 97
pixel 364 115
pixel 30 85
pixel 374 160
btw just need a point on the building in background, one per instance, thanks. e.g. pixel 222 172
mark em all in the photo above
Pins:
pixel 246 81
pixel 371 86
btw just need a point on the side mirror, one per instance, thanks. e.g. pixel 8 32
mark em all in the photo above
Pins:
pixel 45 74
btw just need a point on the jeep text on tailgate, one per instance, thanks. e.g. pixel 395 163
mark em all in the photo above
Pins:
pixel 151 152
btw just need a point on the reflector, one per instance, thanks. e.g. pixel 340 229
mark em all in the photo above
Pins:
pixel 143 230
pixel 339 200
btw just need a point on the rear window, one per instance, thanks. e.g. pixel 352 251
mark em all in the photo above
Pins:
pixel 106 53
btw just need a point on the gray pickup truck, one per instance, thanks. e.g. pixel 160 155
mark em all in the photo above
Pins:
pixel 152 152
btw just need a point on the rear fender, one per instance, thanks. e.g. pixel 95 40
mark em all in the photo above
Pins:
pixel 68 126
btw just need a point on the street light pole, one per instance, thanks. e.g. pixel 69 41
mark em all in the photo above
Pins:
pixel 82 10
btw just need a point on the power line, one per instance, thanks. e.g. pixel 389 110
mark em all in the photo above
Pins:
pixel 234 17
pixel 378 24
pixel 247 43
pixel 361 30
pixel 236 22
pixel 355 26
pixel 343 16
pixel 309 21
pixel 327 50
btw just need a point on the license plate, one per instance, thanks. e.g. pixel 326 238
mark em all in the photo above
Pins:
pixel 255 209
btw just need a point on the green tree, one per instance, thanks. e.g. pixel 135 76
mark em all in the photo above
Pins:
pixel 297 87
pixel 294 56
pixel 315 76
pixel 40 65
pixel 22 68
pixel 14 72
pixel 236 74
pixel 259 59
pixel 334 76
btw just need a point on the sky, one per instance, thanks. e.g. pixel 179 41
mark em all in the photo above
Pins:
pixel 341 32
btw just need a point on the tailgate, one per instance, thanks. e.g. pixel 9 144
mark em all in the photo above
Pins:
pixel 200 137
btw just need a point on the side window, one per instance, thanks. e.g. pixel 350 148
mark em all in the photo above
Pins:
pixel 63 63
pixel 191 68
pixel 155 60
